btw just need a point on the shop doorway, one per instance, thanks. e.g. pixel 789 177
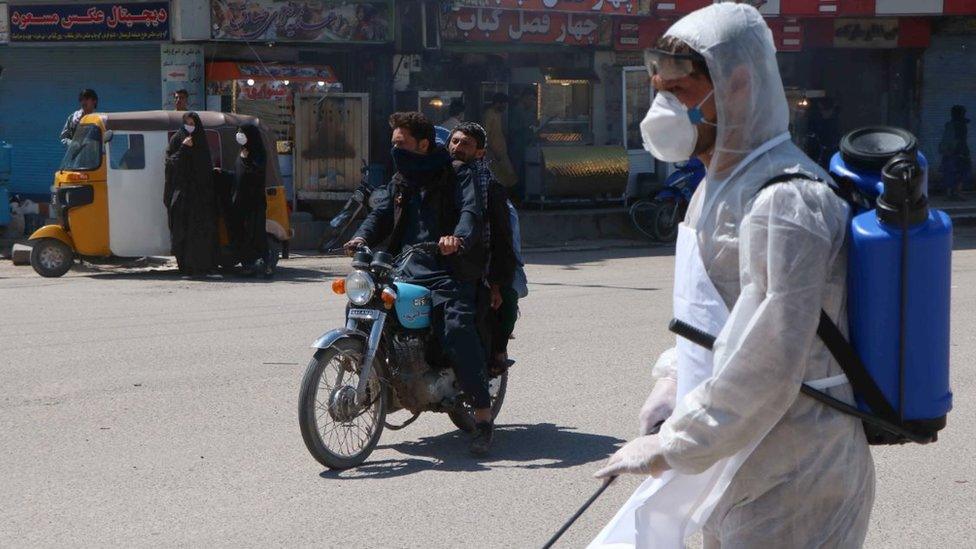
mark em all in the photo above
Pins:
pixel 331 144
pixel 637 96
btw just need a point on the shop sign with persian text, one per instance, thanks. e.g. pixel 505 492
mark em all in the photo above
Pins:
pixel 84 22
pixel 525 27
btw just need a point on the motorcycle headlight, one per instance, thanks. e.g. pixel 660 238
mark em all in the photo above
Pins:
pixel 360 287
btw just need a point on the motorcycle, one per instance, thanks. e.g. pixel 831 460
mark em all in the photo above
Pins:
pixel 364 197
pixel 659 217
pixel 385 359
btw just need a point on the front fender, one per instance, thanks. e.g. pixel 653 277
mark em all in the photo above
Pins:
pixel 328 338
pixel 667 194
pixel 56 232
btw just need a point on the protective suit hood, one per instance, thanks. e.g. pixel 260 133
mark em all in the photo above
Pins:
pixel 738 48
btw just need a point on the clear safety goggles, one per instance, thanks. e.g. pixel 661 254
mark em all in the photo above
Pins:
pixel 669 65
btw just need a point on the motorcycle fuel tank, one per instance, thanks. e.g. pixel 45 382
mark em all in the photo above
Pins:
pixel 413 306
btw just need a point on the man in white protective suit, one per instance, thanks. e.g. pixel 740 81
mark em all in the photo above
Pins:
pixel 741 455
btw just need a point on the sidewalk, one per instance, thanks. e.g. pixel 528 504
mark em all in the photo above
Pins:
pixel 572 229
pixel 959 212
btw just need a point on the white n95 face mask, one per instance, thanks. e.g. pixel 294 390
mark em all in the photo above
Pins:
pixel 241 138
pixel 668 131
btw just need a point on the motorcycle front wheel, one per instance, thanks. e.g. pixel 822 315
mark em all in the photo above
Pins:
pixel 338 431
pixel 463 419
pixel 664 220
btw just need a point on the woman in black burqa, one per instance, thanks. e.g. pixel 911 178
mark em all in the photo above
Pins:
pixel 246 218
pixel 191 199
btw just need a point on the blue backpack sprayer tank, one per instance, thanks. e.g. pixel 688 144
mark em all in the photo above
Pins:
pixel 899 277
pixel 899 267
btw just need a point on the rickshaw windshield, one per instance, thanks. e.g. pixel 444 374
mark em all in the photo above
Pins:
pixel 85 151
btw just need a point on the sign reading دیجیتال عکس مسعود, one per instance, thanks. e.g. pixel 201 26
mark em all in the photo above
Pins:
pixel 89 22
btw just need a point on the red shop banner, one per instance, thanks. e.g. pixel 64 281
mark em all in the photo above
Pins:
pixel 525 27
pixel 605 7
pixel 677 7
pixel 631 34
pixel 787 33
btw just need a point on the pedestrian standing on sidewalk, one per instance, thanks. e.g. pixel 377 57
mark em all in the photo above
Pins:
pixel 191 199
pixel 456 112
pixel 954 148
pixel 501 165
pixel 88 102
pixel 181 100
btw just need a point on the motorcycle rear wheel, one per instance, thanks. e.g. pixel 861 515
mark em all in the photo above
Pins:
pixel 464 419
pixel 339 433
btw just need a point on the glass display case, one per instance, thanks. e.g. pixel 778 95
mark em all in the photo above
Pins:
pixel 565 108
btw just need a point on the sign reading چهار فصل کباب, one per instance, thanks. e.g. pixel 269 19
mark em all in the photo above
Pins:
pixel 302 21
pixel 494 25
pixel 85 22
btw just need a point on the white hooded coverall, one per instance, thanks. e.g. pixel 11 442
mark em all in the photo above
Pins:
pixel 776 256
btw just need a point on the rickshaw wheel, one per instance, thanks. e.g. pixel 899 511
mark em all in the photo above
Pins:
pixel 274 254
pixel 51 258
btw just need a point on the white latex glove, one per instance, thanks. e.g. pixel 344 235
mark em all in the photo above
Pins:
pixel 659 405
pixel 641 456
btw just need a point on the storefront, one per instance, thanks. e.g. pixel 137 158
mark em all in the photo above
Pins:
pixel 49 52
pixel 554 61
pixel 949 78
pixel 311 70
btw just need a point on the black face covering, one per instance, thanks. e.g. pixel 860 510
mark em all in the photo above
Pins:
pixel 419 167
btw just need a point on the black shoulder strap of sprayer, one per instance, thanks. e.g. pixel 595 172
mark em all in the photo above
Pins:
pixel 885 415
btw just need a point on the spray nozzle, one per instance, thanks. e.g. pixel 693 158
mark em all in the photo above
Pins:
pixel 902 199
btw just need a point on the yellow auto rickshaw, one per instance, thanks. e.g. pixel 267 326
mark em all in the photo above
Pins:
pixel 109 188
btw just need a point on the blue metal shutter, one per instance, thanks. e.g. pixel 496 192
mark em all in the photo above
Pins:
pixel 39 89
pixel 949 78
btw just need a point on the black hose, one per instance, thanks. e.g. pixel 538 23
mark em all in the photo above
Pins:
pixel 603 487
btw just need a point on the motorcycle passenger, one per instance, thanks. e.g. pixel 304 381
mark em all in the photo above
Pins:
pixel 431 199
pixel 467 144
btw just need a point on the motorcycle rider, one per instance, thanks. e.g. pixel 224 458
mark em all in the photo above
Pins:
pixel 467 144
pixel 428 199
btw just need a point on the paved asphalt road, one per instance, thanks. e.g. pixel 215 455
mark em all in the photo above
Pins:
pixel 140 409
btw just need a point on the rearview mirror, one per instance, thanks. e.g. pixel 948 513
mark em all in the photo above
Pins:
pixel 107 136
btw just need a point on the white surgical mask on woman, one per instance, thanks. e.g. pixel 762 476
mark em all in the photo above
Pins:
pixel 189 128
pixel 241 138
pixel 670 130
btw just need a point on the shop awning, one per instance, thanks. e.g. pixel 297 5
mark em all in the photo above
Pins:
pixel 229 70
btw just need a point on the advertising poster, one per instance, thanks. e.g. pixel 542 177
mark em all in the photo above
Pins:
pixel 182 69
pixel 302 20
